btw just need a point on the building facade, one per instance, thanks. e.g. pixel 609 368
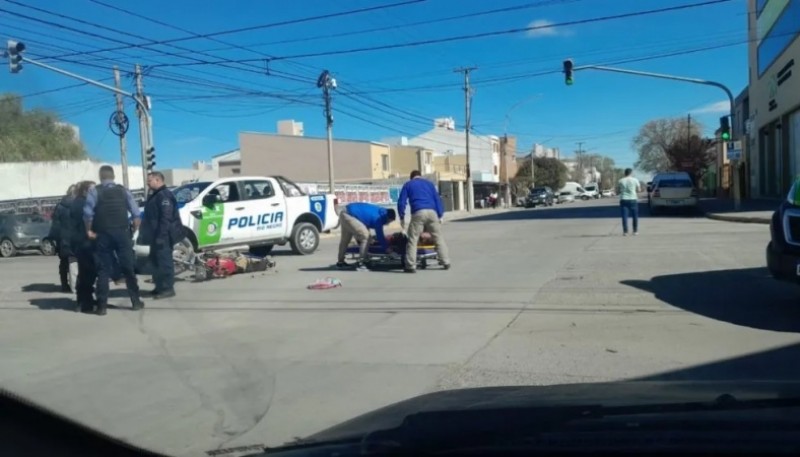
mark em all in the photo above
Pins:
pixel 444 140
pixel 773 158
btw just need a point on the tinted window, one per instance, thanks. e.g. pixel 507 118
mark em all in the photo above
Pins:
pixel 785 29
pixel 590 188
pixel 674 183
pixel 256 190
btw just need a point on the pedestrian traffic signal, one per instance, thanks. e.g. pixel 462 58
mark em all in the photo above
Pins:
pixel 150 159
pixel 568 72
pixel 14 50
pixel 725 128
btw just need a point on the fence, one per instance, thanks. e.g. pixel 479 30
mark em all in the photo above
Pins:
pixel 44 205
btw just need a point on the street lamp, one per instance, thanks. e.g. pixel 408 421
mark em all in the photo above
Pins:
pixel 505 145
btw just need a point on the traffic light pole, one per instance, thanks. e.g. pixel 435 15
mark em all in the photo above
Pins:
pixel 146 136
pixel 736 194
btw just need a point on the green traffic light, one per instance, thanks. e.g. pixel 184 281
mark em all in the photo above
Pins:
pixel 569 81
pixel 726 136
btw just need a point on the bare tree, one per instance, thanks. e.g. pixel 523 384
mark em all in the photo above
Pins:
pixel 656 136
pixel 692 155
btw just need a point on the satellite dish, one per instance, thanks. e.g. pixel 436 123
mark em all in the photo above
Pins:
pixel 323 78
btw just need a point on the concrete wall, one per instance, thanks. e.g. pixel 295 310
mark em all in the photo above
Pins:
pixel 304 158
pixel 377 154
pixel 46 179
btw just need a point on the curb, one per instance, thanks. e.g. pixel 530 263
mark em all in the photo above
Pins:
pixel 739 219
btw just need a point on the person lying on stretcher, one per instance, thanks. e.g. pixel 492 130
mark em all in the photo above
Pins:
pixel 355 221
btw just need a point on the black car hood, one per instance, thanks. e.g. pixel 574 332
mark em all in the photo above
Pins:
pixel 627 393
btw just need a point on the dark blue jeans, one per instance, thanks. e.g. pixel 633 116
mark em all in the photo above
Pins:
pixel 111 243
pixel 632 207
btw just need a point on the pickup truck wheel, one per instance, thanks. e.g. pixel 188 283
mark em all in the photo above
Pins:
pixel 305 239
pixel 7 248
pixel 48 247
pixel 261 251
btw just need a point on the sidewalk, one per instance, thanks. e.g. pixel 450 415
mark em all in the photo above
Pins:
pixel 752 211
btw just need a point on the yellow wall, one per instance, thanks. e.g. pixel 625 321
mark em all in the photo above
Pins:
pixel 377 152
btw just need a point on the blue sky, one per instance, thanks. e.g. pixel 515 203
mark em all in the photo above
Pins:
pixel 198 110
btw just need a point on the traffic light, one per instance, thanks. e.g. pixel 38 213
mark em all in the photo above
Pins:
pixel 568 72
pixel 14 50
pixel 725 128
pixel 150 159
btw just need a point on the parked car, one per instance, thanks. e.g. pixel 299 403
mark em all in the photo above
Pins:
pixel 24 232
pixel 566 197
pixel 608 193
pixel 783 249
pixel 672 190
pixel 540 196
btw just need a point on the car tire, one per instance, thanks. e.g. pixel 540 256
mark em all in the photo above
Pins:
pixel 773 262
pixel 7 248
pixel 261 251
pixel 305 239
pixel 48 248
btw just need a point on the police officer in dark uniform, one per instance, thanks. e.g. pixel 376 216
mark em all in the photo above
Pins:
pixel 161 230
pixel 60 234
pixel 83 250
pixel 106 217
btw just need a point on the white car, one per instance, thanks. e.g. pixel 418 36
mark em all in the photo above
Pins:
pixel 257 211
pixel 590 191
pixel 672 190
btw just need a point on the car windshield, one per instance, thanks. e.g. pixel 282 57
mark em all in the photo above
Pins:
pixel 188 192
pixel 380 199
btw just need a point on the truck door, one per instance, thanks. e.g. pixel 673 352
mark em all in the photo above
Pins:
pixel 265 209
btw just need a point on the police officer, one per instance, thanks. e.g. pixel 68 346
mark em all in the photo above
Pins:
pixel 161 230
pixel 83 250
pixel 106 217
pixel 60 234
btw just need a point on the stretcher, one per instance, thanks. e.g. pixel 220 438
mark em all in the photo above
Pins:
pixel 377 257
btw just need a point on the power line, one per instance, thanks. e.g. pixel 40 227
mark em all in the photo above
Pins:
pixel 259 27
pixel 474 35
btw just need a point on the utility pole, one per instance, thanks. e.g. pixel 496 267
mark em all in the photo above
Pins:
pixel 467 128
pixel 533 167
pixel 123 145
pixel 144 124
pixel 326 82
pixel 580 162
pixel 504 146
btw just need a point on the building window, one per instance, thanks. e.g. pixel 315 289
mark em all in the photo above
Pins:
pixel 495 170
pixel 385 162
pixel 236 171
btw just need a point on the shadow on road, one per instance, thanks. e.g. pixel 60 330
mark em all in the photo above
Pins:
pixel 748 297
pixel 49 304
pixel 42 288
pixel 771 365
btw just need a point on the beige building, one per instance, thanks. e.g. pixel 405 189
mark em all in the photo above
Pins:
pixel 405 159
pixel 305 159
pixel 773 157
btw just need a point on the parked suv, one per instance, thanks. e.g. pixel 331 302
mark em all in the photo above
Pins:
pixel 590 191
pixel 540 196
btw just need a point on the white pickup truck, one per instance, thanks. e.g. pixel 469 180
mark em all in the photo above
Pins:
pixel 256 211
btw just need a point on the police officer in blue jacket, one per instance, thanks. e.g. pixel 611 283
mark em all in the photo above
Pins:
pixel 105 215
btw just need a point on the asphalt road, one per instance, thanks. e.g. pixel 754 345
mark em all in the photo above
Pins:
pixel 541 296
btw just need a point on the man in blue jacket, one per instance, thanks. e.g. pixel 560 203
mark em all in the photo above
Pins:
pixel 355 220
pixel 426 215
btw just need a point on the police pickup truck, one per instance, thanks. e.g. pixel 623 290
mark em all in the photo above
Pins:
pixel 257 211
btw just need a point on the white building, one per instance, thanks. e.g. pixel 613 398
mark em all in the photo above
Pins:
pixel 590 173
pixel 542 151
pixel 443 139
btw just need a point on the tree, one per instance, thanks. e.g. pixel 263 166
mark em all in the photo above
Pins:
pixel 34 135
pixel 692 155
pixel 656 136
pixel 548 172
